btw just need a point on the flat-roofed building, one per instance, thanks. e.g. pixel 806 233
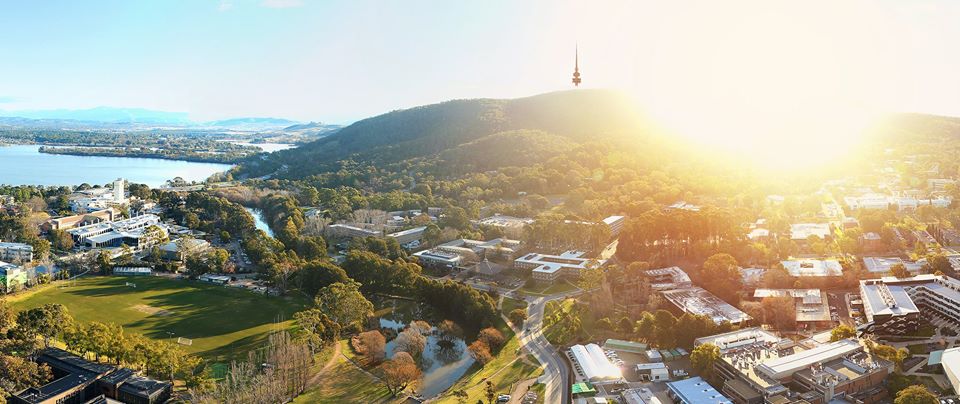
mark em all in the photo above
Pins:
pixel 697 301
pixel 348 231
pixel 668 278
pixel 499 247
pixel 12 277
pixel 548 267
pixel 16 252
pixel 695 390
pixel 811 308
pixel 176 250
pixel 408 236
pixel 438 258
pixel 893 306
pixel 811 267
pixel 138 232
pixel 760 367
pixel 882 265
pixel 615 224
pixel 803 231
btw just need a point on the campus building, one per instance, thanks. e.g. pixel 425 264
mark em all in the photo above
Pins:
pixel 760 367
pixel 548 268
pixel 409 237
pixel 438 258
pixel 667 278
pixel 591 364
pixel 138 232
pixel 12 277
pixel 348 231
pixel 16 252
pixel 893 305
pixel 76 380
pixel 499 247
pixel 697 301
pixel 69 222
pixel 811 267
pixel 615 224
pixel 882 265
pixel 802 231
pixel 695 390
pixel 812 308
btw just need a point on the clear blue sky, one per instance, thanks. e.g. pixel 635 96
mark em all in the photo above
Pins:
pixel 340 61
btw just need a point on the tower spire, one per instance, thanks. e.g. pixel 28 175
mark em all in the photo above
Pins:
pixel 576 66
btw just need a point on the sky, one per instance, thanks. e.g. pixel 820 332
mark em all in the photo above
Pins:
pixel 702 66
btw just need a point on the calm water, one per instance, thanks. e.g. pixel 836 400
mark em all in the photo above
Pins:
pixel 24 165
pixel 258 220
pixel 441 366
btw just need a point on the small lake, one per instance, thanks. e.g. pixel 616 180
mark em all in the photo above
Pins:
pixel 25 165
pixel 258 220
pixel 442 366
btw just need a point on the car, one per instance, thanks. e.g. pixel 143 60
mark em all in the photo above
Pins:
pixel 503 398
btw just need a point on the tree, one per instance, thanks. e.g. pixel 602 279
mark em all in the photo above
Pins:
pixel 665 329
pixel 492 337
pixel 899 270
pixel 777 277
pixel 61 240
pixel 490 392
pixel 399 372
pixel 518 316
pixel 344 304
pixel 374 346
pixel 780 311
pixel 842 331
pixel 480 352
pixel 104 262
pixel 18 373
pixel 410 341
pixel 703 358
pixel 646 326
pixel 48 321
pixel 916 394
pixel 721 274
pixel 316 328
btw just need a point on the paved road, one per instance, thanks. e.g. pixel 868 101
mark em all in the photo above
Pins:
pixel 555 373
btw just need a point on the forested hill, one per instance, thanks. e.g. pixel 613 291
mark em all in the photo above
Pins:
pixel 578 115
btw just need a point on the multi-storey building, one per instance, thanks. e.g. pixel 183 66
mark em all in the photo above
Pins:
pixel 16 252
pixel 893 305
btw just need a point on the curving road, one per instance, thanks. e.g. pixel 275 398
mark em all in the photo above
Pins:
pixel 556 373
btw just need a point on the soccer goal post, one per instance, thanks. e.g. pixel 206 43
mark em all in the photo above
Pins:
pixel 184 341
pixel 131 284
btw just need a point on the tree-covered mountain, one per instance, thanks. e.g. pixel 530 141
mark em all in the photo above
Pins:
pixel 577 116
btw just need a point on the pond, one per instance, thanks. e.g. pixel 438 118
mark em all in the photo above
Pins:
pixel 25 165
pixel 258 220
pixel 445 358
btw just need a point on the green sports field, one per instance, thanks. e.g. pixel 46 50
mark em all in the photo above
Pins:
pixel 222 321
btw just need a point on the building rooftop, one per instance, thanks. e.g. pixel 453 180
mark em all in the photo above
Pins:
pixel 668 278
pixel 802 231
pixel 807 296
pixel 408 232
pixel 695 390
pixel 740 338
pixel 811 267
pixel 696 300
pixel 883 264
pixel 781 367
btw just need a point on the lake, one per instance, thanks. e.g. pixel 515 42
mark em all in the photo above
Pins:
pixel 25 165
pixel 258 220
pixel 442 364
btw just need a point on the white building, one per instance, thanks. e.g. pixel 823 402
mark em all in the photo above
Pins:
pixel 951 366
pixel 883 264
pixel 802 231
pixel 138 232
pixel 668 278
pixel 548 268
pixel 615 223
pixel 593 364
pixel 697 301
pixel 893 305
pixel 16 252
pixel 810 267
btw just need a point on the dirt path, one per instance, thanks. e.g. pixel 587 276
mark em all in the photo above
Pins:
pixel 315 379
pixel 520 389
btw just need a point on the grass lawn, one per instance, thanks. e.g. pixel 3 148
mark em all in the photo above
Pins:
pixel 511 304
pixel 559 286
pixel 503 371
pixel 344 383
pixel 223 322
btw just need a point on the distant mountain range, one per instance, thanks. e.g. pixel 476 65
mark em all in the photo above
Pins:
pixel 113 117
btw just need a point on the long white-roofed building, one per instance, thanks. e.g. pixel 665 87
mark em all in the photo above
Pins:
pixel 592 364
